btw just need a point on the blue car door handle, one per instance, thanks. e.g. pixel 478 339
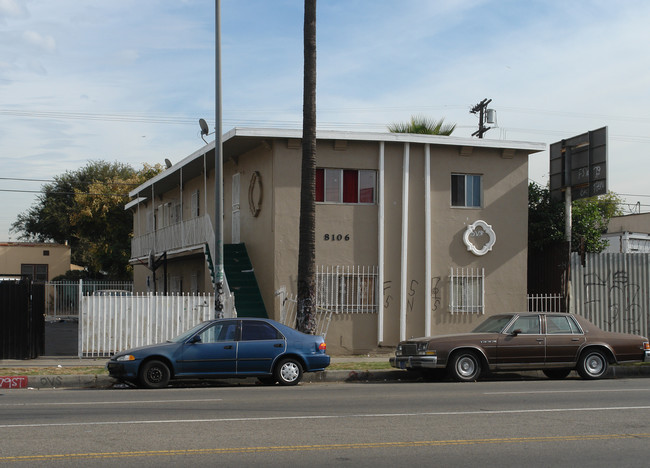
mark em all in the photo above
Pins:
pixel 278 345
pixel 227 347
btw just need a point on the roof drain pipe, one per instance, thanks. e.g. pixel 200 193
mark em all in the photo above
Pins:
pixel 427 240
pixel 380 257
pixel 404 262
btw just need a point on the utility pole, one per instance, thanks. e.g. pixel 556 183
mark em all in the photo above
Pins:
pixel 481 107
pixel 218 173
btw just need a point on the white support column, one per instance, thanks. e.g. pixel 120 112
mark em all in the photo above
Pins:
pixel 180 184
pixel 404 255
pixel 427 240
pixel 380 246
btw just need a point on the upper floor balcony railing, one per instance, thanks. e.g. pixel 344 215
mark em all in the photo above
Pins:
pixel 189 233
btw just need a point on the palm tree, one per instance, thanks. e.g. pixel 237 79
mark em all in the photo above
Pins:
pixel 306 308
pixel 423 125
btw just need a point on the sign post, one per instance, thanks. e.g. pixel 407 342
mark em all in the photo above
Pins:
pixel 578 169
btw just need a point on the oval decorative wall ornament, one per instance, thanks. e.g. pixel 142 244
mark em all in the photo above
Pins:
pixel 255 194
pixel 474 233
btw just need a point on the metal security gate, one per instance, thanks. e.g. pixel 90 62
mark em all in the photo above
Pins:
pixel 22 325
pixel 613 291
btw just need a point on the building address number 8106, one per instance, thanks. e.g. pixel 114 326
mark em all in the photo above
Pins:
pixel 336 237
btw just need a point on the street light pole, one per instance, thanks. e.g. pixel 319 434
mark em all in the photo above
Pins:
pixel 218 172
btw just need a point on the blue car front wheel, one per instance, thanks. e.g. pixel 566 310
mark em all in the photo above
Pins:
pixel 154 374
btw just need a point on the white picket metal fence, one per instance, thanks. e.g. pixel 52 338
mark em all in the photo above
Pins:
pixel 109 324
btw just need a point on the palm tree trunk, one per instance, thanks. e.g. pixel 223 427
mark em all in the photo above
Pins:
pixel 306 314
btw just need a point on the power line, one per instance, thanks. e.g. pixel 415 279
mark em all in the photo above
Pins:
pixel 53 181
pixel 66 193
pixel 630 195
pixel 26 180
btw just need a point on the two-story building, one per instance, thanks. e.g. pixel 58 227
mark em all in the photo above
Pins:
pixel 415 234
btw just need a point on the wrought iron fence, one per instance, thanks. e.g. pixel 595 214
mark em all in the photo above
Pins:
pixel 289 310
pixel 546 303
pixel 62 297
pixel 467 291
pixel 347 289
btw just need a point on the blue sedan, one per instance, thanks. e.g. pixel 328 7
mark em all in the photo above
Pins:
pixel 225 348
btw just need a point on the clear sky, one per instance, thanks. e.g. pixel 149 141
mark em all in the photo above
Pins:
pixel 127 80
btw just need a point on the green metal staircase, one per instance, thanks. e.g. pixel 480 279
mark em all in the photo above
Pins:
pixel 241 280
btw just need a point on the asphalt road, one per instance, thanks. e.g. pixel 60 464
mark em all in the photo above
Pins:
pixel 498 423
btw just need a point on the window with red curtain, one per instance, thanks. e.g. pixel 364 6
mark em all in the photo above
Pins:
pixel 320 185
pixel 350 186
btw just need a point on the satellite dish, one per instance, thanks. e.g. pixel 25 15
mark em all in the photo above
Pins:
pixel 168 163
pixel 204 127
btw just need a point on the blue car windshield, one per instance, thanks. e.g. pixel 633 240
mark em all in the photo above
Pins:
pixel 493 324
pixel 184 336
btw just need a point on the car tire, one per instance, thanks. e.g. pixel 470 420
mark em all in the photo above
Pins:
pixel 154 374
pixel 288 372
pixel 465 366
pixel 556 374
pixel 592 364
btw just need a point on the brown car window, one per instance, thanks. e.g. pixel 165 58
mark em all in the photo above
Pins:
pixel 558 325
pixel 528 324
pixel 574 326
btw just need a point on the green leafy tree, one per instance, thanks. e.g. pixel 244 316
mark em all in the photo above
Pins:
pixel 423 125
pixel 86 209
pixel 545 218
pixel 589 219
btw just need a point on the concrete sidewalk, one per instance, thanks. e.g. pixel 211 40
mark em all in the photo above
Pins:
pixel 10 379
pixel 97 381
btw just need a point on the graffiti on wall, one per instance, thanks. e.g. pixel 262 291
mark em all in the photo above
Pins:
pixel 436 298
pixel 435 293
pixel 621 294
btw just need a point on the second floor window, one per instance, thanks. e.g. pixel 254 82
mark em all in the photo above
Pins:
pixel 466 190
pixel 346 186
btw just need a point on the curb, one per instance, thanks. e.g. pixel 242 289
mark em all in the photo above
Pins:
pixel 91 381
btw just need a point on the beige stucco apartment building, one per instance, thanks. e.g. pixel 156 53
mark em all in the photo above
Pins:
pixel 39 261
pixel 415 234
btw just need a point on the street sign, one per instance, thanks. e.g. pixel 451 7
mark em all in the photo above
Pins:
pixel 579 163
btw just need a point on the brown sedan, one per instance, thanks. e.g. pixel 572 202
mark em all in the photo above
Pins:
pixel 555 343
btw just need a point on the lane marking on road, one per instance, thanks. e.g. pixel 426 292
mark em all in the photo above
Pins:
pixel 298 448
pixel 134 402
pixel 322 417
pixel 570 391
